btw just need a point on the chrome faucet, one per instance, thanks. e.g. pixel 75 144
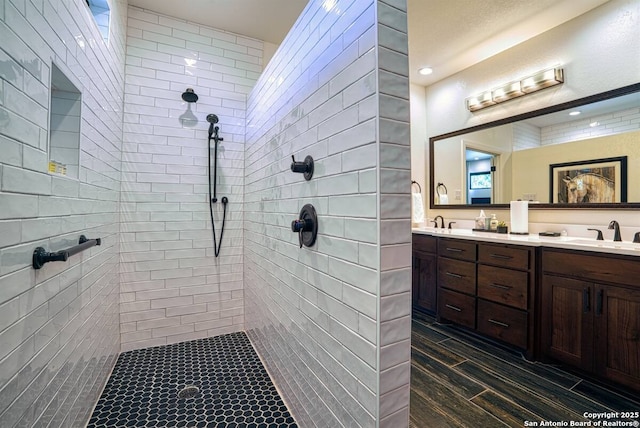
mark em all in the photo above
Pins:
pixel 616 227
pixel 435 220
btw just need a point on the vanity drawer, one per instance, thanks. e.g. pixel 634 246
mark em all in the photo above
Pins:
pixel 503 323
pixel 594 268
pixel 457 249
pixel 457 307
pixel 457 275
pixel 424 243
pixel 506 286
pixel 516 258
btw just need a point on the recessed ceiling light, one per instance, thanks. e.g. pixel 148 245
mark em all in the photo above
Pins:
pixel 425 71
pixel 574 113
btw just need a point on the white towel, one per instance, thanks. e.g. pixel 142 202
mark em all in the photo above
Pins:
pixel 443 199
pixel 417 208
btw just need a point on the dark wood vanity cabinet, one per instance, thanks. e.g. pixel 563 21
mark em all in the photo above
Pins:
pixel 488 288
pixel 578 308
pixel 424 293
pixel 457 281
pixel 567 321
pixel 590 313
pixel 506 282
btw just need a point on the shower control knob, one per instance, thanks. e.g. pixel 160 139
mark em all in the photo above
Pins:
pixel 300 225
pixel 305 167
pixel 306 226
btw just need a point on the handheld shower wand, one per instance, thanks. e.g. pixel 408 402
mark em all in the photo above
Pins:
pixel 212 119
pixel 213 135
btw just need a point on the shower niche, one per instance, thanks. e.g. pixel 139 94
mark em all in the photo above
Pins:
pixel 64 126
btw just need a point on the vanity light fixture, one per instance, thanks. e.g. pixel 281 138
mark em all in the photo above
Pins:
pixel 507 92
pixel 480 101
pixel 540 80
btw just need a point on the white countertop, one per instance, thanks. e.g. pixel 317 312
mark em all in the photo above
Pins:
pixel 534 240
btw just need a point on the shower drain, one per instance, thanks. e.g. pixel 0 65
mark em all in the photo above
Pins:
pixel 188 391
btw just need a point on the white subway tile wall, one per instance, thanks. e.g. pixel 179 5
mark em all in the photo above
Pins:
pixel 394 177
pixel 330 321
pixel 173 288
pixel 525 136
pixel 59 326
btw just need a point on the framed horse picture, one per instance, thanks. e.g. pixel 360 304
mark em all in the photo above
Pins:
pixel 589 181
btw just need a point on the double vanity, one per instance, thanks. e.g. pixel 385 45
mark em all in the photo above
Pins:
pixel 564 300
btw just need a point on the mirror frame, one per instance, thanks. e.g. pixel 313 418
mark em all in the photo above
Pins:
pixel 625 90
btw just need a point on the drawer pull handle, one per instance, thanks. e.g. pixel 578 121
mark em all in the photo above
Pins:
pixel 455 250
pixel 454 308
pixel 500 256
pixel 502 287
pixel 599 301
pixel 455 275
pixel 492 321
pixel 586 300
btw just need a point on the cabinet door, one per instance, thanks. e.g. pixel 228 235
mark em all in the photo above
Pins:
pixel 424 281
pixel 567 321
pixel 617 318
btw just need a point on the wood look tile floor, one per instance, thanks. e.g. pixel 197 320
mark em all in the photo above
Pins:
pixel 460 380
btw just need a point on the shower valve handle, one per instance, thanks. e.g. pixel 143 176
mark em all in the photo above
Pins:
pixel 305 167
pixel 301 225
pixel 306 226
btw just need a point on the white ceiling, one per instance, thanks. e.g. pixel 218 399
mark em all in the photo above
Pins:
pixel 268 20
pixel 451 35
pixel 447 35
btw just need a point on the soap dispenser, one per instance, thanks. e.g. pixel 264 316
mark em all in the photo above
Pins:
pixel 494 222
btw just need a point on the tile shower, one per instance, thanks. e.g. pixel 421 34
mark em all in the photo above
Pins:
pixel 339 312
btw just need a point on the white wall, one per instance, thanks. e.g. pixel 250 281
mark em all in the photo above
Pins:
pixel 596 51
pixel 332 322
pixel 59 324
pixel 537 161
pixel 419 140
pixel 173 287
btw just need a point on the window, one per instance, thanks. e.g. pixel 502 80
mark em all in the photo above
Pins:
pixel 101 14
pixel 480 180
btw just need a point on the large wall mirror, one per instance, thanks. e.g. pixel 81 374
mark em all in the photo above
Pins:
pixel 580 154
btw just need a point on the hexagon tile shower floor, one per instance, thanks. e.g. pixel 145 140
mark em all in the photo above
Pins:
pixel 213 382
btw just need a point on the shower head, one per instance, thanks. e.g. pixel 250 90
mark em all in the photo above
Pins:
pixel 189 96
